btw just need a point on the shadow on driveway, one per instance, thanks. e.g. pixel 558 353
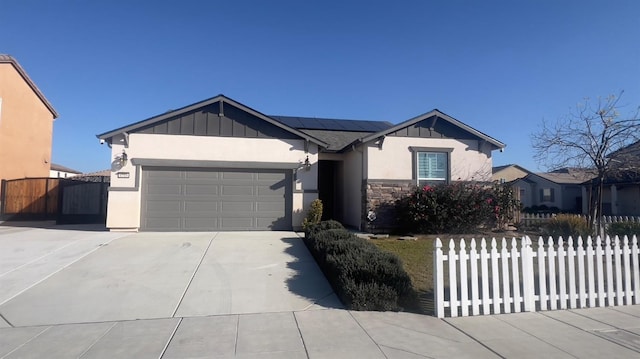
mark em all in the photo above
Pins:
pixel 308 281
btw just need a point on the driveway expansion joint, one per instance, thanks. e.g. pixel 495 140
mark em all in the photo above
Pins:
pixel 6 321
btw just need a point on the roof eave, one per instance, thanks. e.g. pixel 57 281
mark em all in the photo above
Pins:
pixel 7 59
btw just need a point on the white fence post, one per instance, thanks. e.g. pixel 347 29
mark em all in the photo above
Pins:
pixel 453 279
pixel 438 278
pixel 528 276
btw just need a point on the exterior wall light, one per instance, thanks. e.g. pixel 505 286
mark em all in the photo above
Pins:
pixel 122 159
pixel 307 164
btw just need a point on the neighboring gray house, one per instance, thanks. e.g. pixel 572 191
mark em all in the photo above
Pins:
pixel 621 188
pixel 561 189
pixel 221 165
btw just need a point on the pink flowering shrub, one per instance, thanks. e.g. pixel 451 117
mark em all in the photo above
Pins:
pixel 455 208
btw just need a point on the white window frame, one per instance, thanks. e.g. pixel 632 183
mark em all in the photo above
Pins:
pixel 446 152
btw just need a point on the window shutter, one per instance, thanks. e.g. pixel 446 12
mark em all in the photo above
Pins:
pixel 552 199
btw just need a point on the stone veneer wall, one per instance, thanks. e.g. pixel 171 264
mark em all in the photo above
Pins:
pixel 380 197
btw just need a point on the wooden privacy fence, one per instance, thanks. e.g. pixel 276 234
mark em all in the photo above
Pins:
pixel 69 200
pixel 29 198
pixel 513 277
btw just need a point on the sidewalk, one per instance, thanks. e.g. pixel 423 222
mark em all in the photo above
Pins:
pixel 333 333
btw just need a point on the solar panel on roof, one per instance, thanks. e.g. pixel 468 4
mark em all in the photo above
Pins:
pixel 332 124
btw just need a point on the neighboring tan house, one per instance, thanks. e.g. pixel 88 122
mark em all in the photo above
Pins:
pixel 220 165
pixel 508 173
pixel 561 189
pixel 26 124
pixel 59 171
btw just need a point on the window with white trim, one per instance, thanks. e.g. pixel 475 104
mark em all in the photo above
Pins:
pixel 432 167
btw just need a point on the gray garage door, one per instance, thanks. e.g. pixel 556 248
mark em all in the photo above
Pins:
pixel 181 199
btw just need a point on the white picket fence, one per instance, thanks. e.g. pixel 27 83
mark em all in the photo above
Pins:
pixel 518 277
pixel 532 219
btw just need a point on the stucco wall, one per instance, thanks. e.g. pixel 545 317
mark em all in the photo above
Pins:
pixel 26 128
pixel 395 160
pixel 204 148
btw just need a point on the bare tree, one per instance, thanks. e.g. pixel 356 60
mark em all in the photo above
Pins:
pixel 594 138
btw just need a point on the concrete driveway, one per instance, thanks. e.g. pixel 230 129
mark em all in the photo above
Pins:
pixel 61 276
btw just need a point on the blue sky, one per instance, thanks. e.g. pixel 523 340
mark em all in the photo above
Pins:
pixel 498 66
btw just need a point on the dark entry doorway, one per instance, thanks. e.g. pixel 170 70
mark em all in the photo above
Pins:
pixel 330 189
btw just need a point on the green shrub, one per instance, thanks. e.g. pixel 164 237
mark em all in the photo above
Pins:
pixel 621 229
pixel 566 225
pixel 314 214
pixel 370 296
pixel 363 276
pixel 322 226
pixel 456 208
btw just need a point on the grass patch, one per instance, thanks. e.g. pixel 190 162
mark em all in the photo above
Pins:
pixel 417 260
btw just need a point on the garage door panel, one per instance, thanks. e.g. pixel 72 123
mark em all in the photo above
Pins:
pixel 237 207
pixel 163 223
pixel 213 199
pixel 236 175
pixel 236 190
pixel 269 207
pixel 199 207
pixel 164 189
pixel 168 206
pixel 201 224
pixel 201 190
pixel 207 175
pixel 278 191
pixel 237 223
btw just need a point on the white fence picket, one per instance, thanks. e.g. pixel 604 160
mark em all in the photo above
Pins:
pixel 495 277
pixel 589 274
pixel 453 289
pixel 551 258
pixel 542 275
pixel 582 290
pixel 484 267
pixel 506 288
pixel 636 270
pixel 617 253
pixel 463 259
pixel 473 265
pixel 515 275
pixel 562 275
pixel 627 270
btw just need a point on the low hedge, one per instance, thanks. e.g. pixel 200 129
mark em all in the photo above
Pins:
pixel 624 229
pixel 363 276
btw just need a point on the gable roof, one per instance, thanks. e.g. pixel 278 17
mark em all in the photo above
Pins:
pixel 566 177
pixel 500 168
pixel 155 119
pixel 7 59
pixel 439 115
pixel 333 135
